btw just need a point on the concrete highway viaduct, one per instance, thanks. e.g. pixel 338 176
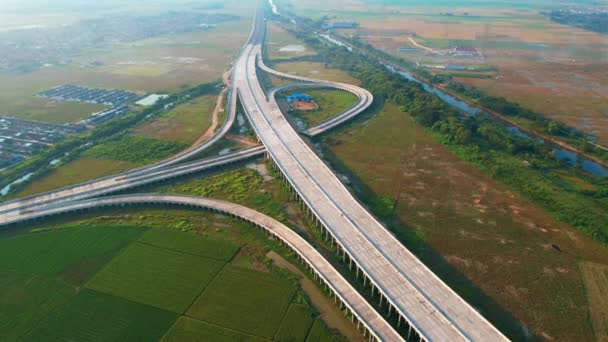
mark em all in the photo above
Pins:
pixel 425 307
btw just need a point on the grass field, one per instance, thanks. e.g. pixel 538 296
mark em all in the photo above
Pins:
pixel 142 70
pixel 41 272
pixel 155 140
pixel 156 276
pixel 279 39
pixel 135 149
pixel 330 102
pixel 169 262
pixel 159 64
pixel 447 210
pixel 51 253
pixel 596 284
pixel 189 329
pixel 544 66
pixel 17 99
pixel 188 243
pixel 94 316
pixel 319 333
pixel 74 172
pixel 185 123
pixel 26 300
pixel 261 301
pixel 296 324
pixel 315 70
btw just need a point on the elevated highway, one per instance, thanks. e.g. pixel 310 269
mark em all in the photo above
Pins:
pixel 79 197
pixel 428 306
pixel 364 98
pixel 125 182
pixel 86 189
pixel 365 315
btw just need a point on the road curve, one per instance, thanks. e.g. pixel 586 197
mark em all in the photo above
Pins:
pixel 419 297
pixel 365 98
pixel 113 183
pixel 66 192
pixel 355 303
pixel 429 306
pixel 329 123
pixel 127 181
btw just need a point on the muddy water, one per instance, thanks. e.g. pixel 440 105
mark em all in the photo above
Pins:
pixel 330 312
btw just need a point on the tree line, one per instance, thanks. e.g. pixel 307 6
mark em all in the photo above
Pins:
pixel 525 164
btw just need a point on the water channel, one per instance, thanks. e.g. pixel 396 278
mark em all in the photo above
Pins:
pixel 561 154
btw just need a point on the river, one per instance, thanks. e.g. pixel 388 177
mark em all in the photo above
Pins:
pixel 561 154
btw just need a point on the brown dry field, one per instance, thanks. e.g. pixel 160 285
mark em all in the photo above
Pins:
pixel 301 105
pixel 529 29
pixel 279 38
pixel 573 93
pixel 496 238
pixel 596 283
pixel 566 81
pixel 185 123
pixel 357 8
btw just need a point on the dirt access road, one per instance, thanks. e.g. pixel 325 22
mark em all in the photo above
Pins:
pixel 216 110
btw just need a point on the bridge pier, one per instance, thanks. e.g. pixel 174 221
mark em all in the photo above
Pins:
pixel 326 235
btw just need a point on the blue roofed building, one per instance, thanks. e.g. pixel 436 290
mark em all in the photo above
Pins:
pixel 299 97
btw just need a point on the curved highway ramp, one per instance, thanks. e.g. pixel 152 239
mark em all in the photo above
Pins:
pixel 424 302
pixel 365 315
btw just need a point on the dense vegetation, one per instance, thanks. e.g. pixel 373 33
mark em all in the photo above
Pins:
pixel 524 164
pixel 591 21
pixel 135 149
pixel 538 121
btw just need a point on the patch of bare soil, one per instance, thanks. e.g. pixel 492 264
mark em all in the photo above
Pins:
pixel 596 284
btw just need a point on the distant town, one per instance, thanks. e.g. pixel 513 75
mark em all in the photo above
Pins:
pixel 29 49
pixel 593 18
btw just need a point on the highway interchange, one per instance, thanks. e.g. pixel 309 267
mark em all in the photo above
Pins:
pixel 429 309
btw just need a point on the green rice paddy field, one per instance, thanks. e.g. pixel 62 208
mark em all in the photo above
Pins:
pixel 115 281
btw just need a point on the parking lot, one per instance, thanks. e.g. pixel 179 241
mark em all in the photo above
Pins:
pixel 69 92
